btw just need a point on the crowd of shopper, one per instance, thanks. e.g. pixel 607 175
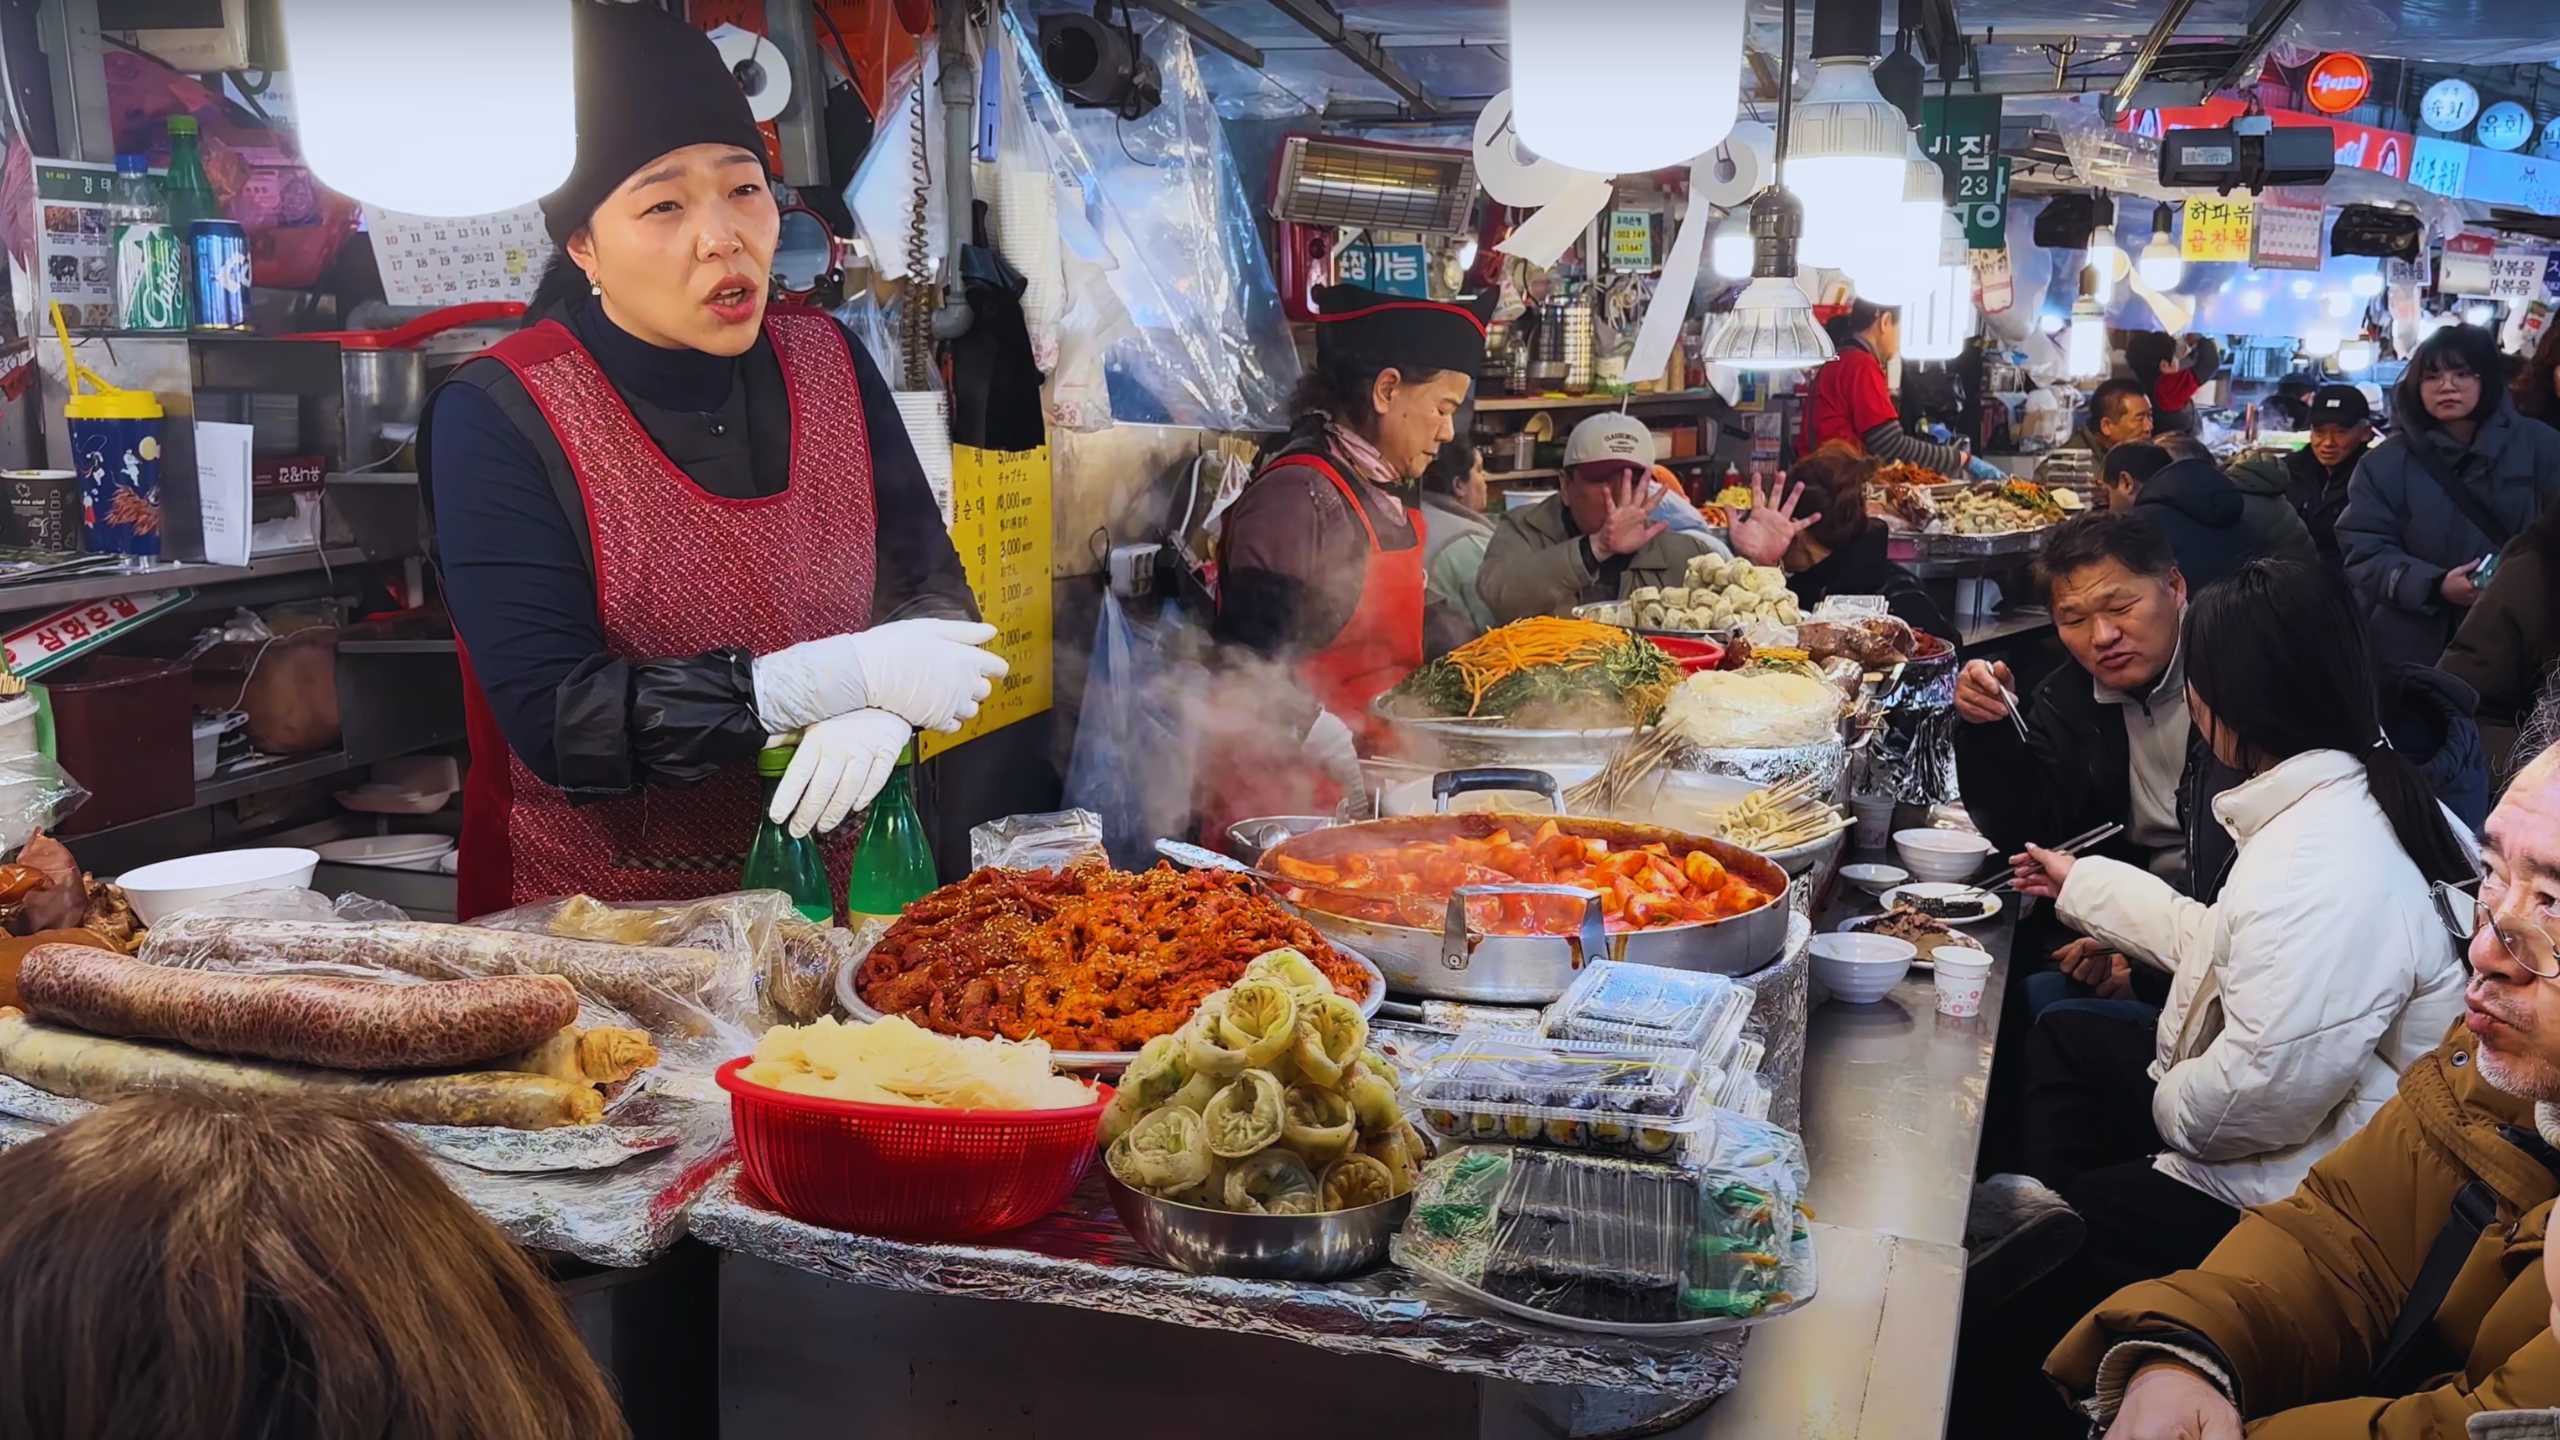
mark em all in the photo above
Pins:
pixel 2272 1140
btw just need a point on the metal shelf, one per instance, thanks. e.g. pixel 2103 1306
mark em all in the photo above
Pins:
pixel 274 777
pixel 1591 402
pixel 169 575
pixel 1492 477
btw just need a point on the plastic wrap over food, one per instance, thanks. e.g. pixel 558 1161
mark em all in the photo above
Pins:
pixel 1154 211
pixel 790 960
pixel 1050 840
pixel 35 793
pixel 1081 1256
pixel 697 1003
pixel 1782 1001
pixel 1594 1242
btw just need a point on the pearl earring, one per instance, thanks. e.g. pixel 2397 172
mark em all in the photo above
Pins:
pixel 595 287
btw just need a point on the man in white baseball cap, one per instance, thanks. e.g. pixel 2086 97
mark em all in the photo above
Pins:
pixel 1596 538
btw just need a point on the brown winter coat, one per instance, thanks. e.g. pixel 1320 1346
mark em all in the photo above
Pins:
pixel 2296 1303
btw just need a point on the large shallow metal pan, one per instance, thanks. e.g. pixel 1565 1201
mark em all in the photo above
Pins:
pixel 1435 740
pixel 1459 962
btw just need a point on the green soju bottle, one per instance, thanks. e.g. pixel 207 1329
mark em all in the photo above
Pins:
pixel 895 864
pixel 779 861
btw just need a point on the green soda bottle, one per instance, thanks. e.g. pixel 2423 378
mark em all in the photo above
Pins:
pixel 188 194
pixel 779 861
pixel 894 867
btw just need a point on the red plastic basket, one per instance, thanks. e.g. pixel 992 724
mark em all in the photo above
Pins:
pixel 908 1170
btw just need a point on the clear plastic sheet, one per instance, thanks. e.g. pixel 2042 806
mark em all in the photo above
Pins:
pixel 1081 1256
pixel 790 960
pixel 1050 840
pixel 1651 1005
pixel 1583 1095
pixel 1585 1241
pixel 35 793
pixel 1154 208
pixel 2444 32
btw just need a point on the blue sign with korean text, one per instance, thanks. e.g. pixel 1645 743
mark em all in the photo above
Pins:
pixel 1389 269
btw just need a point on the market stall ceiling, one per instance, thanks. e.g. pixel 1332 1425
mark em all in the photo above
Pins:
pixel 1455 48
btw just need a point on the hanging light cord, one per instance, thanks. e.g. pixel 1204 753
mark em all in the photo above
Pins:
pixel 1786 85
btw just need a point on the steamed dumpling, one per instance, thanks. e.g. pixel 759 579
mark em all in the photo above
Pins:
pixel 1246 1116
pixel 1357 1180
pixel 1318 1123
pixel 1331 1034
pixel 1165 1152
pixel 1261 1020
pixel 1275 1182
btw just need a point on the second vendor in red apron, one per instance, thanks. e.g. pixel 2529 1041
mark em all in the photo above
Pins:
pixel 1320 560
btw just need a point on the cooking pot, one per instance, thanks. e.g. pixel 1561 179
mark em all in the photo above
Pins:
pixel 1457 961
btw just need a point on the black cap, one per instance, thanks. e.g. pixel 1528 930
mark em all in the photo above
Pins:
pixel 1403 332
pixel 647 83
pixel 2339 405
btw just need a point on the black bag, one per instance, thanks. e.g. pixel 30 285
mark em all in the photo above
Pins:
pixel 2473 508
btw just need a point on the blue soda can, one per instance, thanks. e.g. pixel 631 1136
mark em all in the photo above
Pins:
pixel 218 274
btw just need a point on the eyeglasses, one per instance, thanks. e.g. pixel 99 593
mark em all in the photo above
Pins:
pixel 2466 914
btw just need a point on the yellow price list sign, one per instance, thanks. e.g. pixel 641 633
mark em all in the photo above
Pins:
pixel 1000 526
pixel 2219 228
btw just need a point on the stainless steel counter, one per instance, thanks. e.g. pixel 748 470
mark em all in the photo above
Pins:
pixel 1893 1105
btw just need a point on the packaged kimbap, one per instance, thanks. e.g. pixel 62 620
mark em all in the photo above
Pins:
pixel 1583 1095
pixel 1649 1005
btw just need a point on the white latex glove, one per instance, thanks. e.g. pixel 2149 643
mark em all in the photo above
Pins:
pixel 1328 744
pixel 932 672
pixel 841 764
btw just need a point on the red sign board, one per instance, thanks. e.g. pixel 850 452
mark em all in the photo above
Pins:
pixel 2338 82
pixel 2361 147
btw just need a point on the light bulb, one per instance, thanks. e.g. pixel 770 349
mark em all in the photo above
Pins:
pixel 2478 312
pixel 2085 351
pixel 1937 321
pixel 2253 301
pixel 2107 259
pixel 1729 253
pixel 2366 284
pixel 2161 266
pixel 363 74
pixel 2321 340
pixel 1847 144
pixel 1901 255
pixel 2336 303
pixel 2357 356
pixel 1467 254
pixel 2301 289
pixel 1617 87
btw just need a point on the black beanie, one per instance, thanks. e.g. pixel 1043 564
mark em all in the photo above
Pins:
pixel 648 83
pixel 1400 331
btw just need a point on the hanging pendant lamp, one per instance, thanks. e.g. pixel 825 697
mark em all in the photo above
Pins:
pixel 1771 324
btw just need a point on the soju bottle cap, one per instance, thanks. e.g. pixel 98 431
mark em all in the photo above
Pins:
pixel 774 759
pixel 907 756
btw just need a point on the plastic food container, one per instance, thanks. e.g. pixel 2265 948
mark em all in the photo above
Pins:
pixel 1592 1243
pixel 1583 1095
pixel 1626 1004
pixel 910 1170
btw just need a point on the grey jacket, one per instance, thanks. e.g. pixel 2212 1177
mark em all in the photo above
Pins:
pixel 1537 564
pixel 2400 533
pixel 2514 1425
pixel 2275 530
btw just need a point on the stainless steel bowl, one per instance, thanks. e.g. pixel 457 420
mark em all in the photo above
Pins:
pixel 1267 1247
pixel 1247 839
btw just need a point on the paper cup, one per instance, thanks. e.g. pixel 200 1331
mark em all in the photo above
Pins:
pixel 1872 821
pixel 1960 975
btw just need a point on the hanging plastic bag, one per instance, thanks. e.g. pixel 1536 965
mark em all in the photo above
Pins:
pixel 1132 762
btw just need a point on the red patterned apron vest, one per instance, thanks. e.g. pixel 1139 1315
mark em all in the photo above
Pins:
pixel 679 571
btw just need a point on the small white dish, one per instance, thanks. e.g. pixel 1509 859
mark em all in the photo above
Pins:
pixel 1941 854
pixel 1941 890
pixel 1875 879
pixel 1860 969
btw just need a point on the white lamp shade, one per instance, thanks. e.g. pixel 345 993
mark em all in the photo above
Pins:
pixel 1902 259
pixel 1621 86
pixel 458 108
pixel 1847 144
pixel 2161 266
pixel 2107 259
pixel 2085 350
pixel 1770 327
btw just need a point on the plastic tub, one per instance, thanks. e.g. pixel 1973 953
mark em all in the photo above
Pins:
pixel 161 890
pixel 121 728
pixel 908 1170
pixel 1650 1005
pixel 1571 1093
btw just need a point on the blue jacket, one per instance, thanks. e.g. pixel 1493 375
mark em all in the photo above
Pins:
pixel 2401 534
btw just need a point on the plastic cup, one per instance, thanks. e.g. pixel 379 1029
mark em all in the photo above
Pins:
pixel 1871 821
pixel 1961 973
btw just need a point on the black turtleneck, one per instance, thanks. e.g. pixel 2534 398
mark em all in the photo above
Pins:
pixel 510 539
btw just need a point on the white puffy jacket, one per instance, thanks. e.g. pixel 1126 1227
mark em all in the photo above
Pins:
pixel 2322 972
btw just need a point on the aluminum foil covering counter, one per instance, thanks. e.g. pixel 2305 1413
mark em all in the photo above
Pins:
pixel 613 1194
pixel 1080 1256
pixel 1785 1003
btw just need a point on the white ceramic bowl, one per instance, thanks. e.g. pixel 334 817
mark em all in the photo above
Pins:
pixel 1860 969
pixel 161 890
pixel 1875 879
pixel 1948 855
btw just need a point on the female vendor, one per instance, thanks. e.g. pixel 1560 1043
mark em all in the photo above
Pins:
pixel 674 524
pixel 1852 404
pixel 1320 560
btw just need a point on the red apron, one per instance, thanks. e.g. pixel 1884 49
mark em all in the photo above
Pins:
pixel 678 571
pixel 1379 645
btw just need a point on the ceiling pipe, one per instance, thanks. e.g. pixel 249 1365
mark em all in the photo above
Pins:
pixel 1214 36
pixel 959 89
pixel 2152 44
pixel 1361 47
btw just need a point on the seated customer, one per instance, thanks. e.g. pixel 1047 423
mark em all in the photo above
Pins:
pixel 1596 538
pixel 2314 478
pixel 2428 1217
pixel 2119 413
pixel 1456 534
pixel 172 1269
pixel 2298 996
pixel 2109 741
pixel 2214 526
pixel 1837 548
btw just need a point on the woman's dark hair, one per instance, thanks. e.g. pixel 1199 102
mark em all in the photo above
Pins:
pixel 1857 320
pixel 2469 349
pixel 174 1268
pixel 1835 487
pixel 2146 351
pixel 1340 386
pixel 2533 391
pixel 1450 468
pixel 562 283
pixel 2130 540
pixel 2277 653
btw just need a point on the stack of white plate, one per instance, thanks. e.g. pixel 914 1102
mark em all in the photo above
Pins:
pixel 388 852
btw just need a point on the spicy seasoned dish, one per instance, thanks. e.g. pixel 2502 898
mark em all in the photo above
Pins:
pixel 1086 959
pixel 1408 882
